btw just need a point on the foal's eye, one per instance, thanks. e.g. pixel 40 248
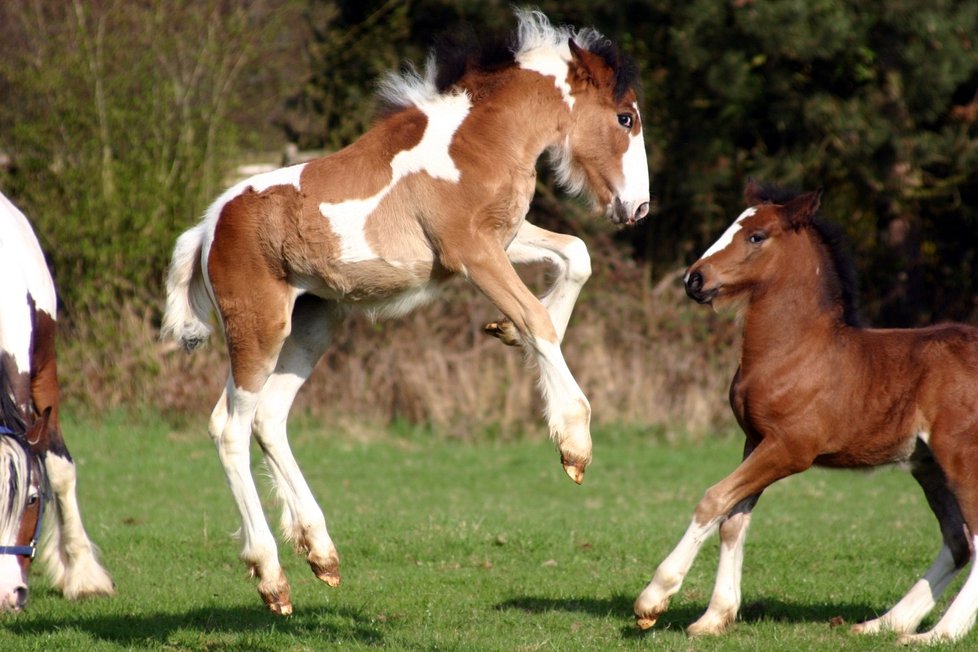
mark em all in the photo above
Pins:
pixel 32 499
pixel 626 120
pixel 757 237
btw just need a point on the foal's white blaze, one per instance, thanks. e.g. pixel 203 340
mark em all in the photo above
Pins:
pixel 431 155
pixel 635 166
pixel 729 234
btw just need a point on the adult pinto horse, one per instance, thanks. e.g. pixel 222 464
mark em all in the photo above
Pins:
pixel 34 462
pixel 439 187
pixel 815 388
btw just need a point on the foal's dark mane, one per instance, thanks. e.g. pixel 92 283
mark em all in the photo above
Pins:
pixel 463 51
pixel 841 282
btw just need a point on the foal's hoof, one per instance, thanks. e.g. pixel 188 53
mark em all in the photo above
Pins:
pixel 574 470
pixel 504 331
pixel 277 595
pixel 646 622
pixel 326 569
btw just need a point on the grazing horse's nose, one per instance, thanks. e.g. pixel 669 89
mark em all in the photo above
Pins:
pixel 20 597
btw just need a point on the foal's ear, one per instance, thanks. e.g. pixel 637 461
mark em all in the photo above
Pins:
pixel 590 68
pixel 753 193
pixel 799 211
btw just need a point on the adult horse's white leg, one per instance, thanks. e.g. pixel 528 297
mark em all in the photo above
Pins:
pixel 303 522
pixel 572 263
pixel 567 409
pixel 258 550
pixel 68 554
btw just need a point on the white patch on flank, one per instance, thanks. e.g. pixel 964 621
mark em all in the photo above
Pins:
pixel 729 234
pixel 635 165
pixel 348 218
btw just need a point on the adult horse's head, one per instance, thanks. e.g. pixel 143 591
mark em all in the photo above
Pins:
pixel 752 249
pixel 22 485
pixel 603 151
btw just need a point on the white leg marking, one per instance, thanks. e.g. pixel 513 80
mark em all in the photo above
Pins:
pixel 669 576
pixel 69 555
pixel 567 409
pixel 726 599
pixel 568 255
pixel 959 617
pixel 905 615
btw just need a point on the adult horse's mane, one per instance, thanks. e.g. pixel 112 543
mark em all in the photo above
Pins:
pixel 456 54
pixel 10 417
pixel 841 281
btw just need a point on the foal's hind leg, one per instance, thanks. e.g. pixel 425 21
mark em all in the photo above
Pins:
pixel 67 552
pixel 302 519
pixel 906 615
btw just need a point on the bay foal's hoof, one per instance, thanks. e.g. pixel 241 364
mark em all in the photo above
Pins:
pixel 326 568
pixel 504 331
pixel 277 595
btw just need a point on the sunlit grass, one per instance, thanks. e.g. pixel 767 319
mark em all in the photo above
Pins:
pixel 457 546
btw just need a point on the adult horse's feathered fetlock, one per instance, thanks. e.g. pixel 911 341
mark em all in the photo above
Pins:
pixel 439 187
pixel 816 388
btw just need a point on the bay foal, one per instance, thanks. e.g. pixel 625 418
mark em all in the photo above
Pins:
pixel 813 387
pixel 439 187
pixel 28 366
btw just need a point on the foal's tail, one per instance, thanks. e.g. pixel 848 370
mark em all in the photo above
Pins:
pixel 188 305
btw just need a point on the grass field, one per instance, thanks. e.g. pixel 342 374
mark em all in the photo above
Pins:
pixel 458 546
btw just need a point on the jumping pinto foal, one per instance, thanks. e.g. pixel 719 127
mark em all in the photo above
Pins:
pixel 439 187
pixel 34 462
pixel 815 388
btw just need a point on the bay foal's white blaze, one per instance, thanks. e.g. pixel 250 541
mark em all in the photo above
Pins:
pixel 29 369
pixel 439 187
pixel 816 388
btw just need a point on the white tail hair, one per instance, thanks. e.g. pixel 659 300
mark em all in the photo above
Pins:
pixel 188 306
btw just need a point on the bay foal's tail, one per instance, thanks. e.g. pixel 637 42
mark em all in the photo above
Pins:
pixel 188 305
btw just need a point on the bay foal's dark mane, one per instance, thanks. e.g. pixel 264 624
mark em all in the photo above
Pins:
pixel 841 282
pixel 463 51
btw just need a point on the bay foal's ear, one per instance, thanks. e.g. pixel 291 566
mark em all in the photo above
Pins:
pixel 753 193
pixel 799 211
pixel 590 68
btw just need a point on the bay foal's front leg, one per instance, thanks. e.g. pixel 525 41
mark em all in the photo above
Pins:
pixel 572 268
pixel 567 409
pixel 768 463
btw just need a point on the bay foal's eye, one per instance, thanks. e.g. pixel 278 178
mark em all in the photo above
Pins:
pixel 626 120
pixel 757 237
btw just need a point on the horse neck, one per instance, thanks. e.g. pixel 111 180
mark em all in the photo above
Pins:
pixel 790 309
pixel 522 107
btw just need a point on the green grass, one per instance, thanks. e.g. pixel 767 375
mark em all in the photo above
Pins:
pixel 458 546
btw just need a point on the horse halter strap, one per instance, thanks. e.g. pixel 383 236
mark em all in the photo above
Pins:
pixel 30 549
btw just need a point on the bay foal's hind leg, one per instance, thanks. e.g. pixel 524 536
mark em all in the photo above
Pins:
pixel 68 554
pixel 905 615
pixel 568 256
pixel 302 520
pixel 767 464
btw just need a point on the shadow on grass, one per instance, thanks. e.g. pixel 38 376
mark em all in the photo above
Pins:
pixel 678 618
pixel 215 628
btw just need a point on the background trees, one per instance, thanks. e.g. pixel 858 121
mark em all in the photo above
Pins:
pixel 120 120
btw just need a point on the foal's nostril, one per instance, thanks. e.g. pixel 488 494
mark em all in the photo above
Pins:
pixel 694 283
pixel 642 211
pixel 20 597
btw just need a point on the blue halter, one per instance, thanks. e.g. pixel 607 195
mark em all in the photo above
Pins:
pixel 30 549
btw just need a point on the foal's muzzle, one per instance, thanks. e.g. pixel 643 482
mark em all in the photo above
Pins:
pixel 694 288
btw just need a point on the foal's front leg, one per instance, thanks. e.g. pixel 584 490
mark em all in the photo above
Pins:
pixel 567 409
pixel 764 466
pixel 568 255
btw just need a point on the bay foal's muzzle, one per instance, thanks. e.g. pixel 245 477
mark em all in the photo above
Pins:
pixel 694 288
